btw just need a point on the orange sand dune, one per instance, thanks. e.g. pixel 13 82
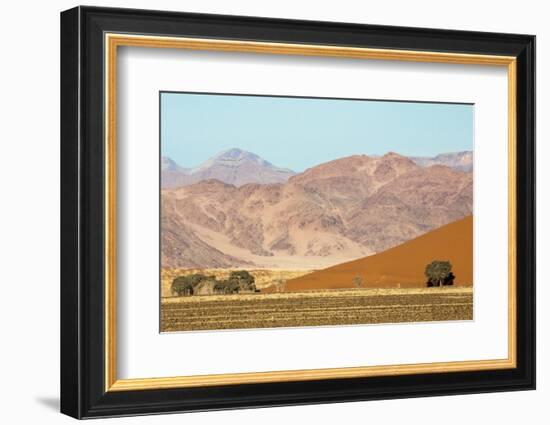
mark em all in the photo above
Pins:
pixel 403 265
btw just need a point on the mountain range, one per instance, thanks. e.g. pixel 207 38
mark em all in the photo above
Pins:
pixel 239 167
pixel 335 212
pixel 460 161
pixel 234 166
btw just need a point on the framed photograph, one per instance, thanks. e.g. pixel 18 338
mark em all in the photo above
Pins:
pixel 261 212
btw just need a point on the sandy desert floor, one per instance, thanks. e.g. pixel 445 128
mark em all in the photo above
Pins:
pixel 316 308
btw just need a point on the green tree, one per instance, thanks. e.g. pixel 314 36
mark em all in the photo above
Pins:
pixel 243 279
pixel 220 287
pixel 185 285
pixel 358 281
pixel 438 272
pixel 195 278
pixel 182 286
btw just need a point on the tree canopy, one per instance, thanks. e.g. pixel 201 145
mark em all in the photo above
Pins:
pixel 238 280
pixel 439 273
pixel 243 279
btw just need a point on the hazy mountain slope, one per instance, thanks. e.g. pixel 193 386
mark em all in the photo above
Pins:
pixel 172 175
pixel 234 166
pixel 180 245
pixel 461 161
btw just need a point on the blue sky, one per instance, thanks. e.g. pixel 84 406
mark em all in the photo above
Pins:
pixel 299 133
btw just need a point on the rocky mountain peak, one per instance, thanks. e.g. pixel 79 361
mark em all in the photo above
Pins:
pixel 234 166
pixel 239 155
pixel 232 158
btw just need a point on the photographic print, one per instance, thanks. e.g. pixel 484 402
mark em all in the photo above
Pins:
pixel 280 211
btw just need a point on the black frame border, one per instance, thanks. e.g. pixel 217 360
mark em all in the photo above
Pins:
pixel 82 205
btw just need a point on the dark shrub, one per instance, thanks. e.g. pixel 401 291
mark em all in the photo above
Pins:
pixel 243 279
pixel 439 273
pixel 185 285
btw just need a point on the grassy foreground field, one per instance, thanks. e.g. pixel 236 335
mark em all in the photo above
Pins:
pixel 316 308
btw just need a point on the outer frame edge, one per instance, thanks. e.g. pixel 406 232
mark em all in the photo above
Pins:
pixel 70 348
pixel 103 406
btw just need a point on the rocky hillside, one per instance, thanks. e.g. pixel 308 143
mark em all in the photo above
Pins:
pixel 335 212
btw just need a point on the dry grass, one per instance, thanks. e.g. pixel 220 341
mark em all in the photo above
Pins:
pixel 316 308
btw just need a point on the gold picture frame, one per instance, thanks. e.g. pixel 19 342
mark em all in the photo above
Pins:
pixel 114 41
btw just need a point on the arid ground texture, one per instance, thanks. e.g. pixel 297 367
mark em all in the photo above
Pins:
pixel 392 290
pixel 316 308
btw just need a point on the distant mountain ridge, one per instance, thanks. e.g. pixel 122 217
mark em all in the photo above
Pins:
pixel 239 167
pixel 234 166
pixel 460 161
pixel 168 164
pixel 335 212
